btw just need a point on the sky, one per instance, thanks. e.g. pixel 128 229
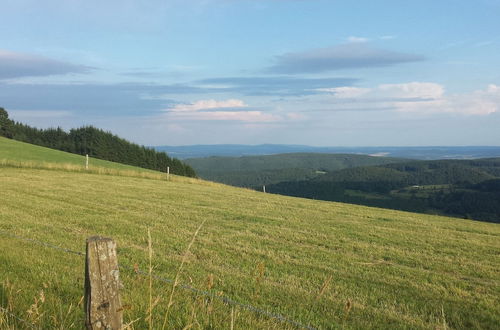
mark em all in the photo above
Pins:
pixel 312 72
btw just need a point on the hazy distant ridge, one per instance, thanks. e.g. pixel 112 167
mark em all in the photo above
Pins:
pixel 424 152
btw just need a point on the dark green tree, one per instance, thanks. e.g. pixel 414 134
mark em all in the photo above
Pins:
pixel 5 124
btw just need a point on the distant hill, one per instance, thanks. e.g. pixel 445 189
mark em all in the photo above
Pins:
pixel 424 153
pixel 422 172
pixel 253 171
pixel 466 188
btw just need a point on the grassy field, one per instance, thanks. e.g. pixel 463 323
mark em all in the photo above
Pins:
pixel 12 150
pixel 325 265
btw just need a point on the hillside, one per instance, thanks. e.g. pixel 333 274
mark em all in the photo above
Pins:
pixel 255 171
pixel 94 142
pixel 16 151
pixel 320 264
pixel 465 188
pixel 423 172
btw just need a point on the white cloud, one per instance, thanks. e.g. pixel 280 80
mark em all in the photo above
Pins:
pixel 423 90
pixel 480 102
pixel 216 111
pixel 412 90
pixel 423 107
pixel 415 97
pixel 357 39
pixel 209 104
pixel 345 92
pixel 244 116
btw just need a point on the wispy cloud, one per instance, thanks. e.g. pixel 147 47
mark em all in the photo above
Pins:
pixel 479 102
pixel 345 92
pixel 171 71
pixel 357 39
pixel 209 104
pixel 277 85
pixel 415 97
pixel 17 65
pixel 121 99
pixel 94 99
pixel 243 116
pixel 212 110
pixel 484 43
pixel 412 90
pixel 345 56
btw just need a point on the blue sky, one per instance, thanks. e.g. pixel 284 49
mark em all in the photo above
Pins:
pixel 338 73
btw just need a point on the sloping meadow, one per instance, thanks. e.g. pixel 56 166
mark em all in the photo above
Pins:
pixel 258 261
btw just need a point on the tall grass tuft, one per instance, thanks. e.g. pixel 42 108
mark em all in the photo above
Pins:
pixel 176 280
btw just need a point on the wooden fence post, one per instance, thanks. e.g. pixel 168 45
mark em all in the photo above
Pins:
pixel 168 173
pixel 87 162
pixel 103 309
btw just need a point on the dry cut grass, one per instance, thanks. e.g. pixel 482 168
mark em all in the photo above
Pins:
pixel 136 173
pixel 327 265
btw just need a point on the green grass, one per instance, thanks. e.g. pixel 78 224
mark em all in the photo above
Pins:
pixel 328 265
pixel 12 150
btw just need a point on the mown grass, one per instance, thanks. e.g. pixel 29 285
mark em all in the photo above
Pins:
pixel 12 150
pixel 16 154
pixel 323 264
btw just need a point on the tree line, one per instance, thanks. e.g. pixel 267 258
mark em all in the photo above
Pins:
pixel 95 143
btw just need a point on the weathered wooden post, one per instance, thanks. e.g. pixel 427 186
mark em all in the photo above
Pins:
pixel 168 173
pixel 86 162
pixel 103 309
pixel 264 188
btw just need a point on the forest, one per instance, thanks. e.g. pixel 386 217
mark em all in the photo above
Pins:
pixel 463 188
pixel 466 188
pixel 95 143
pixel 253 171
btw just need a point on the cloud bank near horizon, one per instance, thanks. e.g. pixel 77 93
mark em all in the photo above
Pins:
pixel 416 97
pixel 351 55
pixel 18 65
pixel 213 110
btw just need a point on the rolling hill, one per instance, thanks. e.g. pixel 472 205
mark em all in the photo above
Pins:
pixel 284 262
pixel 93 142
pixel 255 171
pixel 16 151
pixel 465 188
